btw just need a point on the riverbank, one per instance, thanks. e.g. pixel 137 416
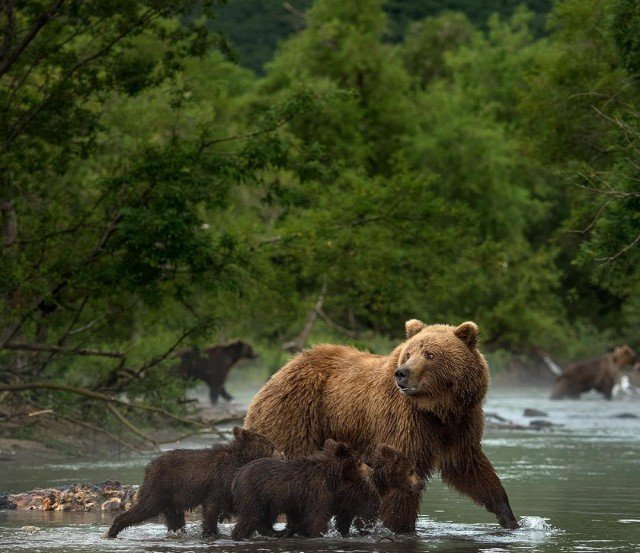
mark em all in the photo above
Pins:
pixel 29 434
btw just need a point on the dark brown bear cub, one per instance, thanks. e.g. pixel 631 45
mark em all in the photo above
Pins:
pixel 393 473
pixel 303 489
pixel 182 479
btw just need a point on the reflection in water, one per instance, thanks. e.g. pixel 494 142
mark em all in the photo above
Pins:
pixel 582 477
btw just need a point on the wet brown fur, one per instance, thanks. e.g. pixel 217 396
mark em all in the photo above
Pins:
pixel 303 489
pixel 342 393
pixel 360 503
pixel 212 365
pixel 600 374
pixel 182 479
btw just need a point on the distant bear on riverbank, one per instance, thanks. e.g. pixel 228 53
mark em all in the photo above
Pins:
pixel 600 374
pixel 182 479
pixel 424 399
pixel 213 365
pixel 303 488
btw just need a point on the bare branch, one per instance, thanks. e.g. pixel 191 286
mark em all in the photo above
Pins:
pixel 616 255
pixel 85 424
pixel 244 136
pixel 299 342
pixel 165 355
pixel 595 218
pixel 97 396
pixel 126 422
pixel 9 223
pixel 59 349
pixel 336 326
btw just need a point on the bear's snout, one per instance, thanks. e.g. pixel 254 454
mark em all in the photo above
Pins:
pixel 402 372
pixel 402 379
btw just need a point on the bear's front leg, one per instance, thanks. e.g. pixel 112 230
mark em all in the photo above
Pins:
pixel 475 477
pixel 343 523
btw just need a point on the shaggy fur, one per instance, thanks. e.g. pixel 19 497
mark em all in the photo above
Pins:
pixel 304 489
pixel 600 374
pixel 360 503
pixel 182 479
pixel 431 411
pixel 212 365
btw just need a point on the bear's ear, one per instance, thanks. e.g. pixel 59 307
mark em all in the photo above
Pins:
pixel 468 333
pixel 239 432
pixel 386 452
pixel 413 326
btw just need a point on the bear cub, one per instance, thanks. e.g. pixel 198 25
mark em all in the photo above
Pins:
pixel 304 489
pixel 393 474
pixel 182 479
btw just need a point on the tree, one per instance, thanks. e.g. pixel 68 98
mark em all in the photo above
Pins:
pixel 109 227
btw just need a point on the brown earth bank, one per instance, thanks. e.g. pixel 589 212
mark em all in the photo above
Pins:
pixel 29 434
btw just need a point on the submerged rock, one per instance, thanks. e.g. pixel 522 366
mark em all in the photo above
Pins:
pixel 541 424
pixel 534 413
pixel 625 416
pixel 493 420
pixel 106 496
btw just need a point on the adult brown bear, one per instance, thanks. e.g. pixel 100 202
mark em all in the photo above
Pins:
pixel 213 364
pixel 424 399
pixel 600 374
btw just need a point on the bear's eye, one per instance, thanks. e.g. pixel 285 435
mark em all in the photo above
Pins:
pixel 406 357
pixel 429 355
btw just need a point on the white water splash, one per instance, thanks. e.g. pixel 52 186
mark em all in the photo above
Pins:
pixel 539 524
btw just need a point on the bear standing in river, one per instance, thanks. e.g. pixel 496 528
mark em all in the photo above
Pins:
pixel 182 479
pixel 424 399
pixel 600 374
pixel 303 488
pixel 359 502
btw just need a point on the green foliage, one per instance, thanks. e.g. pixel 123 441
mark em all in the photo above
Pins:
pixel 427 42
pixel 257 27
pixel 626 30
pixel 156 195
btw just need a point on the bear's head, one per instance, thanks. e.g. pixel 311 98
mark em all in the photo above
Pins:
pixel 440 368
pixel 249 445
pixel 623 355
pixel 392 470
pixel 243 350
pixel 352 467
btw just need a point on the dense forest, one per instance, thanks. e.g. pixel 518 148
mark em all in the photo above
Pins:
pixel 156 194
pixel 256 27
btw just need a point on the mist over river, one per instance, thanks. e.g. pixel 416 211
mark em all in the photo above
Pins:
pixel 574 487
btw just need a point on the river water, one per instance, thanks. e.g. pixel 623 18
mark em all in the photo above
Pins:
pixel 574 488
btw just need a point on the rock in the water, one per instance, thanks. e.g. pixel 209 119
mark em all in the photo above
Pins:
pixel 540 424
pixel 534 413
pixel 493 420
pixel 626 416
